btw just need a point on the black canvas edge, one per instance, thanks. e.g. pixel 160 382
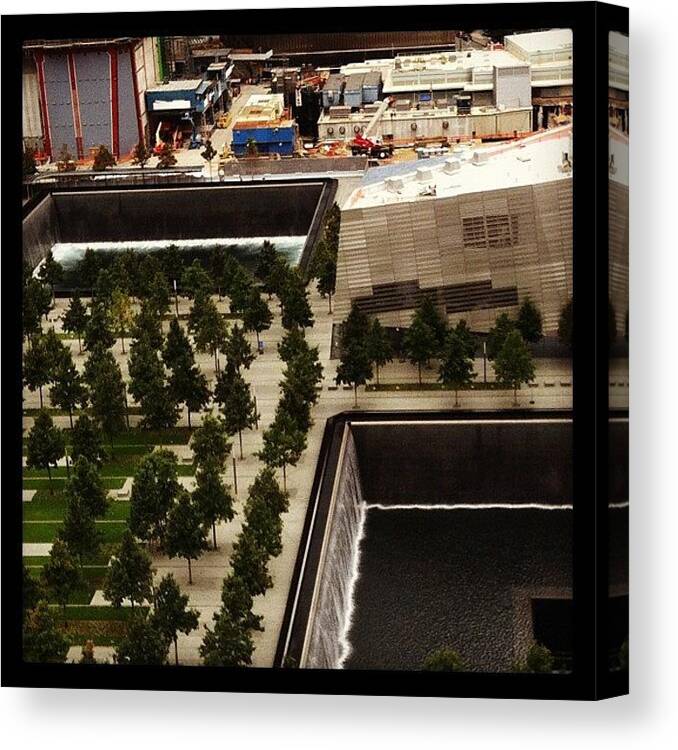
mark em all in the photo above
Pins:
pixel 589 353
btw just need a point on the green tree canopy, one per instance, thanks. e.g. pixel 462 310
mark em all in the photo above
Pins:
pixel 107 393
pixel 36 301
pixel 99 328
pixel 210 444
pixel 87 441
pixel 208 327
pixel 443 660
pixel 45 445
pixel 292 344
pixel 379 347
pixel 296 307
pixel 166 157
pixel 87 269
pixel 256 315
pixel 237 603
pixel 121 314
pixel 503 325
pixel 143 644
pixel 237 349
pixel 86 482
pixel 212 498
pixel 171 614
pixel 75 318
pixel 141 154
pixel 539 659
pixel 565 324
pixel 149 387
pixel 250 563
pixel 266 260
pixel 79 530
pixel 184 533
pixel 68 391
pixel 232 393
pixel 284 443
pixel 43 640
pixel 37 367
pixel 61 573
pixel 456 366
pixel 514 364
pixel 227 644
pixel 195 281
pixel 420 343
pixel 529 322
pixel 51 272
pixel 103 159
pixel 428 313
pixel 177 348
pixel 154 490
pixel 130 574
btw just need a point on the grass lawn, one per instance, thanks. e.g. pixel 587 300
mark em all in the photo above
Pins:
pixel 44 532
pixel 46 507
pixel 137 438
pixel 104 626
pixel 58 483
pixel 93 579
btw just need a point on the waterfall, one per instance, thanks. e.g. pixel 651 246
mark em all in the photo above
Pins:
pixel 326 642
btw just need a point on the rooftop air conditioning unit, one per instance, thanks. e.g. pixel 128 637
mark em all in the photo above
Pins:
pixel 393 184
pixel 451 166
pixel 480 158
pixel 424 174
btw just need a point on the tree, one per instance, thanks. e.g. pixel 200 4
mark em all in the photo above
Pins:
pixel 355 329
pixel 208 327
pixel 529 322
pixel 210 443
pixel 184 534
pixel 130 574
pixel 256 316
pixel 212 498
pixel 237 349
pixel 157 294
pixel 379 347
pixel 539 659
pixel 51 272
pixel 147 326
pixel 250 563
pixel 195 281
pixel 296 308
pixel 237 603
pixel 75 318
pixel 355 367
pixel 284 443
pixel 443 660
pixel 99 328
pixel 292 344
pixel 239 288
pixel 36 302
pixel 228 644
pixel 87 441
pixel 428 313
pixel 278 276
pixel 154 490
pixel 37 367
pixel 238 407
pixel 326 272
pixel 87 269
pixel 464 333
pixel 141 154
pixel 496 336
pixel 86 483
pixel 188 385
pixel 43 640
pixel 166 157
pixel 265 261
pixel 420 343
pixel 514 364
pixel 107 394
pixel 264 522
pixel 121 314
pixel 45 445
pixel 68 391
pixel 104 287
pixel 78 530
pixel 61 573
pixel 103 159
pixel 456 367
pixel 208 154
pixel 143 644
pixel 32 591
pixel 149 388
pixel 171 615
pixel 177 347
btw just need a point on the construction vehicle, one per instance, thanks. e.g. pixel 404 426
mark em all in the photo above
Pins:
pixel 361 146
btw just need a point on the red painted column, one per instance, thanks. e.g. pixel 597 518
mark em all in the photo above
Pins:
pixel 135 84
pixel 44 111
pixel 115 116
pixel 75 106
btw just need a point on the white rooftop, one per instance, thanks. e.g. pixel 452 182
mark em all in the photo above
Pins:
pixel 187 85
pixel 541 41
pixel 473 169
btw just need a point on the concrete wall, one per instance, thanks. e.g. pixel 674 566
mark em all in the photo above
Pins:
pixel 40 231
pixel 389 254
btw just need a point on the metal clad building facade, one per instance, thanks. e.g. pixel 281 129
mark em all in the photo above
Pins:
pixel 88 96
pixel 478 255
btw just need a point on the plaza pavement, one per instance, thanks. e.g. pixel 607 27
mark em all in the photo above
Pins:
pixel 553 390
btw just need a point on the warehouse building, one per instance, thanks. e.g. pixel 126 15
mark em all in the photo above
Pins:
pixel 479 231
pixel 263 127
pixel 83 93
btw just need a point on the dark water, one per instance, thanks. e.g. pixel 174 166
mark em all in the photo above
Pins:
pixel 463 579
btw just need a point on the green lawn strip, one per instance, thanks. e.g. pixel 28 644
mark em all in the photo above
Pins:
pixel 101 612
pixel 93 579
pixel 435 387
pixel 138 438
pixel 104 626
pixel 44 532
pixel 46 507
pixel 58 483
pixel 34 411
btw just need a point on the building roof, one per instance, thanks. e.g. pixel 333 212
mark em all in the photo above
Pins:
pixel 469 169
pixel 540 41
pixel 173 104
pixel 192 84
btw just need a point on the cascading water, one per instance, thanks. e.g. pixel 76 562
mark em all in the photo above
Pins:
pixel 327 645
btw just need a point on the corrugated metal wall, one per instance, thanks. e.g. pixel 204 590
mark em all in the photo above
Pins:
pixel 127 108
pixel 32 125
pixel 94 85
pixel 59 103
